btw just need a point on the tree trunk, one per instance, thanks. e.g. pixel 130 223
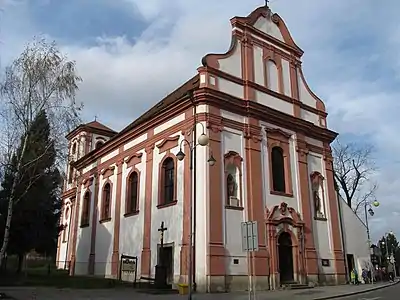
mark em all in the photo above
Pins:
pixel 11 201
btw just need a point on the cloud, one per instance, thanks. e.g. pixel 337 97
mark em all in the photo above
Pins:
pixel 148 48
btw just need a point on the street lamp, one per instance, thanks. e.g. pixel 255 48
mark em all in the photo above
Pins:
pixel 389 258
pixel 203 141
pixel 369 211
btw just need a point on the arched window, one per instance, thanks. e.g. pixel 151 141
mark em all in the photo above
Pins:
pixel 168 180
pixel 106 202
pixel 278 169
pixel 74 149
pixel 70 174
pixel 98 144
pixel 85 210
pixel 65 233
pixel 132 195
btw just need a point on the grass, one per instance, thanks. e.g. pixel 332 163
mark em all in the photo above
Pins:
pixel 39 276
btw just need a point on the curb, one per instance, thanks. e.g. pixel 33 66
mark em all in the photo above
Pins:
pixel 358 292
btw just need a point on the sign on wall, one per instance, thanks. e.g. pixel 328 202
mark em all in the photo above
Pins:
pixel 249 236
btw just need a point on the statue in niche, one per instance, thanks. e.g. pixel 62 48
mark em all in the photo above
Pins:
pixel 232 186
pixel 317 180
pixel 317 202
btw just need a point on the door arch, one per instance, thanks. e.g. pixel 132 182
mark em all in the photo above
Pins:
pixel 285 258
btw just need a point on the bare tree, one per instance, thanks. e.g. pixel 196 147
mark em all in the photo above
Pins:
pixel 354 166
pixel 40 79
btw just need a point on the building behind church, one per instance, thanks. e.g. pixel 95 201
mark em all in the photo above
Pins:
pixel 268 133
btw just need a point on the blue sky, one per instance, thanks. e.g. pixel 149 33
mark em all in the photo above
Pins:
pixel 134 52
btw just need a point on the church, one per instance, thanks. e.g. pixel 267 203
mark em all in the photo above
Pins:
pixel 244 140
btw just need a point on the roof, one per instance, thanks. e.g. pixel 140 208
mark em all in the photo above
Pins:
pixel 98 125
pixel 94 127
pixel 157 109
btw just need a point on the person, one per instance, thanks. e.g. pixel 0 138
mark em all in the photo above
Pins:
pixel 353 277
pixel 391 272
pixel 364 275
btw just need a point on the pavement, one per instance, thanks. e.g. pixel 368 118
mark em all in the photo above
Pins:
pixel 381 291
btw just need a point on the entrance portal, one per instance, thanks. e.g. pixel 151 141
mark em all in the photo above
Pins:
pixel 165 258
pixel 285 253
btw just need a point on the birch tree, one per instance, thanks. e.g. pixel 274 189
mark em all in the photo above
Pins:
pixel 354 167
pixel 40 79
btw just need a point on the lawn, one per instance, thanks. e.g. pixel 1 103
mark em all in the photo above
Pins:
pixel 42 275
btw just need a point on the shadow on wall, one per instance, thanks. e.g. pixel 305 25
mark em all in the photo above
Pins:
pixel 103 250
pixel 83 251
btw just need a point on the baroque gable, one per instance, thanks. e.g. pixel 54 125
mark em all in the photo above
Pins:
pixel 263 64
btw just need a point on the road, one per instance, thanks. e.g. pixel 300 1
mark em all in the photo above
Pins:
pixel 389 293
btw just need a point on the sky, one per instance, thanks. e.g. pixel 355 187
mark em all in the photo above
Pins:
pixel 131 53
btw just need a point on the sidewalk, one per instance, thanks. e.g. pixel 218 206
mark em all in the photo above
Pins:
pixel 319 293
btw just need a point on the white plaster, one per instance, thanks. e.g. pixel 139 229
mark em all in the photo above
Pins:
pixel 89 167
pixel 314 142
pixel 169 123
pixel 294 161
pixel 132 227
pixel 105 231
pixel 84 236
pixel 202 169
pixel 272 76
pixel 259 65
pixel 231 88
pixel 272 199
pixel 286 77
pixel 355 236
pixel 275 103
pixel 109 155
pixel 267 26
pixel 212 80
pixel 321 229
pixel 233 64
pixel 202 108
pixel 202 78
pixel 261 40
pixel 136 141
pixel 309 116
pixel 171 216
pixel 305 96
pixel 232 141
pixel 62 262
pixel 232 116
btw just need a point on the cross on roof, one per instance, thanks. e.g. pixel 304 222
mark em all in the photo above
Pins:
pixel 266 2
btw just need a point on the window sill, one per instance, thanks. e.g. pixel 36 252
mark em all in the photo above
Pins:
pixel 234 207
pixel 167 204
pixel 105 220
pixel 132 213
pixel 283 194
pixel 320 219
pixel 84 225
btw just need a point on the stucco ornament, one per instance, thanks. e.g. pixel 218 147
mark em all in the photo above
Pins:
pixel 283 208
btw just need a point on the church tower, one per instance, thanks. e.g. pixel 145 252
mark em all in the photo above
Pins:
pixel 82 140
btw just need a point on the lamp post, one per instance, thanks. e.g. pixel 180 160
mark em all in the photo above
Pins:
pixel 388 258
pixel 371 212
pixel 203 141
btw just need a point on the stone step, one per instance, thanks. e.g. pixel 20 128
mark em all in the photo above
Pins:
pixel 297 286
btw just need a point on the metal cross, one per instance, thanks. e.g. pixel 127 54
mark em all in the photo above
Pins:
pixel 95 118
pixel 161 230
pixel 266 3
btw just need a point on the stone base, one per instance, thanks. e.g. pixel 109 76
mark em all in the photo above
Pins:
pixel 231 283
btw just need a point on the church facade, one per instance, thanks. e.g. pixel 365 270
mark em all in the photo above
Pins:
pixel 268 134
